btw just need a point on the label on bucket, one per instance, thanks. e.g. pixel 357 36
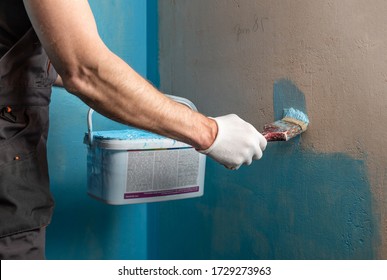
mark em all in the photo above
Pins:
pixel 153 173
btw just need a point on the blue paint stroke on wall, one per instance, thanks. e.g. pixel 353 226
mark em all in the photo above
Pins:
pixel 287 95
pixel 292 204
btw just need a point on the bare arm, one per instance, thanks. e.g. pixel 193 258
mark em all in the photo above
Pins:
pixel 89 70
pixel 58 82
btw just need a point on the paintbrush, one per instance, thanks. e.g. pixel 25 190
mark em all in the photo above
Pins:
pixel 293 123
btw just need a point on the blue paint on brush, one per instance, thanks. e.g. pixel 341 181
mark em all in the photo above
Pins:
pixel 297 115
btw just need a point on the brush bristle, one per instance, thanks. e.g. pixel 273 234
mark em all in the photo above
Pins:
pixel 296 116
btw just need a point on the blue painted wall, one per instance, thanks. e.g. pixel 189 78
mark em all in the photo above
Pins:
pixel 83 228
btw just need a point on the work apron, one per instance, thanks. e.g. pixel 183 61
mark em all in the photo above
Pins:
pixel 26 78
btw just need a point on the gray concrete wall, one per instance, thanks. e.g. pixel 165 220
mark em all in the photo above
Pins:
pixel 252 57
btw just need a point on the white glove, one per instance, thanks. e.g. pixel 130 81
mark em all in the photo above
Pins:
pixel 237 142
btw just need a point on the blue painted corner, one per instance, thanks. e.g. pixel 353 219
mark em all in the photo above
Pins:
pixel 83 228
pixel 153 74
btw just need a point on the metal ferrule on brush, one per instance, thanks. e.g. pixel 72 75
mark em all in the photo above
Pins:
pixel 302 124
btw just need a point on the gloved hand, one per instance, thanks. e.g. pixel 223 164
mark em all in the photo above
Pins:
pixel 236 143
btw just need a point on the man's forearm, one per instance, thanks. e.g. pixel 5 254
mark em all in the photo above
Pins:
pixel 117 91
pixel 105 82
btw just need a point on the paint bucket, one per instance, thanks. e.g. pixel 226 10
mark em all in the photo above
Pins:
pixel 135 166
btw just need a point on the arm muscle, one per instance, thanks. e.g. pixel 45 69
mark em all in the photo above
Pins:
pixel 89 70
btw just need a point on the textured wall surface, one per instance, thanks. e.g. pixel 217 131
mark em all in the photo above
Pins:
pixel 322 195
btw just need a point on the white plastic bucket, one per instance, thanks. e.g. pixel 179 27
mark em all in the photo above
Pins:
pixel 135 166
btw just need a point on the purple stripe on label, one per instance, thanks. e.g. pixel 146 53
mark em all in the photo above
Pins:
pixel 161 193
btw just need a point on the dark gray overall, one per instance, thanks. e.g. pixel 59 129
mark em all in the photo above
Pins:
pixel 26 78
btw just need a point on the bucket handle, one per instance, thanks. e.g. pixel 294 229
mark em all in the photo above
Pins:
pixel 178 99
